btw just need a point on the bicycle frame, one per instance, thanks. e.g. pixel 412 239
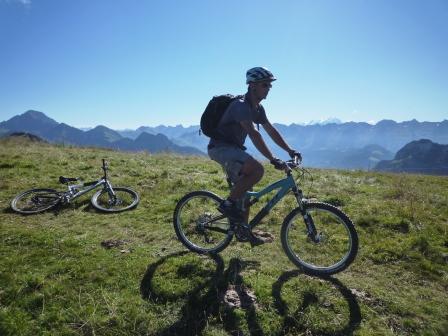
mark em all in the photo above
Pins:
pixel 73 194
pixel 285 185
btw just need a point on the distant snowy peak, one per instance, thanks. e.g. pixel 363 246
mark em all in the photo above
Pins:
pixel 323 122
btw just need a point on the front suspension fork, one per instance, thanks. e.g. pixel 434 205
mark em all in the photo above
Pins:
pixel 110 191
pixel 311 228
pixel 309 222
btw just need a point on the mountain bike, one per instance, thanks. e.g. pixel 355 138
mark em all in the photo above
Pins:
pixel 108 199
pixel 317 237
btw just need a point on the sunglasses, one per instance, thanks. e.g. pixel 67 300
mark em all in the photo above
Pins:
pixel 266 85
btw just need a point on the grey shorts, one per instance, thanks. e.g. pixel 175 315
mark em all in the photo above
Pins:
pixel 231 158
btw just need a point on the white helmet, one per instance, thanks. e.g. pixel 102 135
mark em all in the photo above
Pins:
pixel 258 74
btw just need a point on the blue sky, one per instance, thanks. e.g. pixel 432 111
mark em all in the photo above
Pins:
pixel 125 64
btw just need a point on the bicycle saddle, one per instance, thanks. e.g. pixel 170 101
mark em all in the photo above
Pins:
pixel 65 180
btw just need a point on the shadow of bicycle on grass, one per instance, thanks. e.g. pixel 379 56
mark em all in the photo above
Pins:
pixel 316 294
pixel 201 284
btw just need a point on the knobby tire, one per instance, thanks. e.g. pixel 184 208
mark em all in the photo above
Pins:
pixel 337 244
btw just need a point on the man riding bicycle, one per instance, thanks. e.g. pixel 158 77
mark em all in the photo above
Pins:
pixel 236 124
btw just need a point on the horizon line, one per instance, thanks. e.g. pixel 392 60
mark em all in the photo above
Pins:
pixel 326 121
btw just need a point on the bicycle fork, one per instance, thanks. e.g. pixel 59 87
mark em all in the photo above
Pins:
pixel 110 191
pixel 309 222
pixel 311 228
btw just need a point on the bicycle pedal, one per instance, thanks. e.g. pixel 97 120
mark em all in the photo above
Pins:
pixel 243 234
pixel 241 237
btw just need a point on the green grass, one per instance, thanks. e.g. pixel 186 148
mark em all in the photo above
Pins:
pixel 57 279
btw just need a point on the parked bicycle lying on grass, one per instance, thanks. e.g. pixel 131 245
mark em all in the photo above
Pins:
pixel 317 237
pixel 108 199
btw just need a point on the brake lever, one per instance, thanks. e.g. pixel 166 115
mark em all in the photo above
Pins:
pixel 293 163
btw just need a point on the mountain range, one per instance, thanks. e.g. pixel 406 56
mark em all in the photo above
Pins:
pixel 39 124
pixel 351 145
pixel 337 145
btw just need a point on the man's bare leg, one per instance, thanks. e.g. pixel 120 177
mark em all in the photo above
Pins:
pixel 251 173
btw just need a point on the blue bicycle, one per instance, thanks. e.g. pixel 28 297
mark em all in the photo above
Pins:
pixel 317 237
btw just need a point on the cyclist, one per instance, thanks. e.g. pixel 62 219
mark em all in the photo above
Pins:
pixel 236 124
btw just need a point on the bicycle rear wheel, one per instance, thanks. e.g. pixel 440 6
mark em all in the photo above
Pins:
pixel 35 201
pixel 199 225
pixel 124 199
pixel 331 249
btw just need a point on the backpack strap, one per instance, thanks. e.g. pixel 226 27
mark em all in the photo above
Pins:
pixel 261 106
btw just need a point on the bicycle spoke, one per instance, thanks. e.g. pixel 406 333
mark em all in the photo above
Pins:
pixel 199 225
pixel 35 200
pixel 123 199
pixel 327 250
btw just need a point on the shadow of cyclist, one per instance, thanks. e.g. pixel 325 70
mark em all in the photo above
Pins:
pixel 295 321
pixel 204 301
pixel 198 306
pixel 234 281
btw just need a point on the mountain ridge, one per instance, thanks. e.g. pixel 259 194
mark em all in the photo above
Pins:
pixel 37 123
pixel 327 145
pixel 421 156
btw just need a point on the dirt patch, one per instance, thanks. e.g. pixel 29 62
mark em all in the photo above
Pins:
pixel 240 297
pixel 110 243
pixel 263 235
pixel 368 298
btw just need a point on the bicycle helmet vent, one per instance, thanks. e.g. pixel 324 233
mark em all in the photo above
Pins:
pixel 258 74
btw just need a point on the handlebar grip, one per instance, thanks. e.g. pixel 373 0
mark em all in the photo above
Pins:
pixel 294 163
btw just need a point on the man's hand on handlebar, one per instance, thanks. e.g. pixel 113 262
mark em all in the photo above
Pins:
pixel 279 164
pixel 295 155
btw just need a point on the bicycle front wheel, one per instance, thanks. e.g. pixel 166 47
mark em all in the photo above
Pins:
pixel 124 199
pixel 332 246
pixel 199 225
pixel 35 201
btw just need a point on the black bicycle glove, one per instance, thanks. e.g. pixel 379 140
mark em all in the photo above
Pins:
pixel 293 153
pixel 278 164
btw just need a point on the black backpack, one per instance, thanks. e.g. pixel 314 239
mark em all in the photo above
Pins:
pixel 213 114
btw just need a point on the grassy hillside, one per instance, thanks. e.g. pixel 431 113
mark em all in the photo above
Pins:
pixel 56 277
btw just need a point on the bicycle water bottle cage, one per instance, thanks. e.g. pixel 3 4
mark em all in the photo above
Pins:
pixel 65 180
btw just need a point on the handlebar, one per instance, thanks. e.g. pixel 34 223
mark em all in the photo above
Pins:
pixel 293 163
